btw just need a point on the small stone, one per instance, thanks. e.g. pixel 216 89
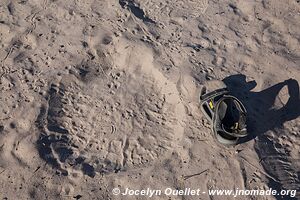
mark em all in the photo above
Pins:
pixel 204 43
pixel 210 69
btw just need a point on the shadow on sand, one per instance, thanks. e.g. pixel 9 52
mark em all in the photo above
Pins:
pixel 265 115
pixel 262 115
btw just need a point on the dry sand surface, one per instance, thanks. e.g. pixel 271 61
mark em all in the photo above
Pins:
pixel 99 94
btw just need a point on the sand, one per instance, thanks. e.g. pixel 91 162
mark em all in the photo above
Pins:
pixel 99 94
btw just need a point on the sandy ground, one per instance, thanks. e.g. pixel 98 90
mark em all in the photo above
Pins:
pixel 98 94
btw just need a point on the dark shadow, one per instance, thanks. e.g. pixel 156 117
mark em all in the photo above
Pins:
pixel 262 116
pixel 136 10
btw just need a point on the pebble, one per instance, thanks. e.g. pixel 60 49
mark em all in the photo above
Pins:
pixel 204 43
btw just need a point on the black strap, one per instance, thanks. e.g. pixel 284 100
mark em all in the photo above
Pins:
pixel 214 93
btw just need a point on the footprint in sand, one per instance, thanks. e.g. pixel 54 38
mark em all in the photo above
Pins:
pixel 111 119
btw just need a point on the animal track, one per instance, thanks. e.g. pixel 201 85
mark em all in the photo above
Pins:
pixel 86 127
pixel 165 9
